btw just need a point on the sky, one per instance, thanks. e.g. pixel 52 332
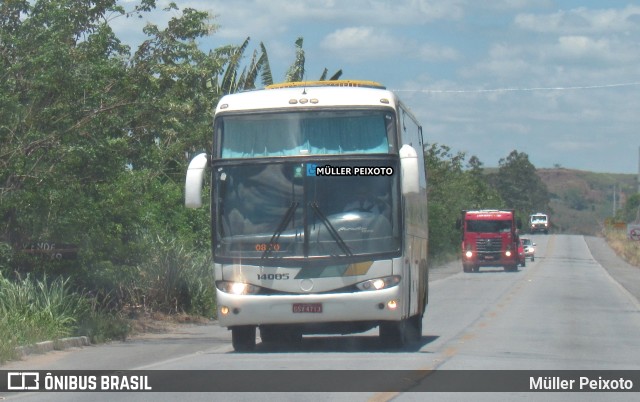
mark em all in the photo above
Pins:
pixel 557 80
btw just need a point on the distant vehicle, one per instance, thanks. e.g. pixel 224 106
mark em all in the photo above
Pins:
pixel 529 248
pixel 489 239
pixel 539 223
pixel 522 258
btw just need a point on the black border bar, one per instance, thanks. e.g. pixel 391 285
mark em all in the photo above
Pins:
pixel 320 381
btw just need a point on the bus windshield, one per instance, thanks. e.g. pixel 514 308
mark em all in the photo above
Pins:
pixel 283 211
pixel 332 132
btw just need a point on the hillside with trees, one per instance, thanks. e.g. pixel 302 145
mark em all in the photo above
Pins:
pixel 581 201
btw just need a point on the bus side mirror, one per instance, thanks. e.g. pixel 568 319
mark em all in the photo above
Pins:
pixel 519 223
pixel 195 179
pixel 458 224
pixel 409 167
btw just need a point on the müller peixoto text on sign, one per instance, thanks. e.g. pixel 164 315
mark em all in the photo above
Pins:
pixel 328 170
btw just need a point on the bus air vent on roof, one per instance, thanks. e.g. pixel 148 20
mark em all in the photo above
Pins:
pixel 332 83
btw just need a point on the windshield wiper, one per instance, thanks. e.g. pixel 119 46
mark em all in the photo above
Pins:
pixel 281 227
pixel 332 231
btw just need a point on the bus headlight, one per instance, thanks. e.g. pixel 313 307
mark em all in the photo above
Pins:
pixel 237 288
pixel 379 283
pixel 469 254
pixel 508 253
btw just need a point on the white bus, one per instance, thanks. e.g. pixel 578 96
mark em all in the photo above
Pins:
pixel 319 213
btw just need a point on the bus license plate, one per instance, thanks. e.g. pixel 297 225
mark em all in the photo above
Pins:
pixel 307 307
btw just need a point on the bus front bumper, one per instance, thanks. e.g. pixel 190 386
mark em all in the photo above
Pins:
pixel 378 305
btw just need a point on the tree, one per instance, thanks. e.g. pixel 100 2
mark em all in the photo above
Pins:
pixel 482 195
pixel 93 140
pixel 519 185
pixel 452 189
pixel 232 81
pixel 296 71
pixel 631 210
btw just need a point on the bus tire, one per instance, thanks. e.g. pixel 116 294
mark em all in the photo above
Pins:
pixel 414 328
pixel 397 334
pixel 393 334
pixel 243 338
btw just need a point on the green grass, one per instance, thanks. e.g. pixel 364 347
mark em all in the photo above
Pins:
pixel 33 311
pixel 172 280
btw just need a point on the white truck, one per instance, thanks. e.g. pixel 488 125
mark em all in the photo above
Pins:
pixel 539 222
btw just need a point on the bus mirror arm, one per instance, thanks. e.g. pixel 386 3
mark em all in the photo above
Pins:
pixel 194 182
pixel 409 167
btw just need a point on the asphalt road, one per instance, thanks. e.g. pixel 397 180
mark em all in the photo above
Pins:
pixel 575 308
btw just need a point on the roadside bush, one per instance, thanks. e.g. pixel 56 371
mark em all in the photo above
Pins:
pixel 100 325
pixel 33 311
pixel 6 255
pixel 628 250
pixel 171 279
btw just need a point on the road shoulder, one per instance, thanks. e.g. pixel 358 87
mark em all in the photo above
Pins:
pixel 627 275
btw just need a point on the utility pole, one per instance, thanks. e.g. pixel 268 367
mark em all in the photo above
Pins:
pixel 614 200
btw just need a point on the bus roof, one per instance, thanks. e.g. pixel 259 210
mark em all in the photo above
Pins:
pixel 309 95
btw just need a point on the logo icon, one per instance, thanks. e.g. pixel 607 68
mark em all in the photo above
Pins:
pixel 23 381
pixel 311 169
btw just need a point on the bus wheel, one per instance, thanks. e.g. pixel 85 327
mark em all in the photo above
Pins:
pixel 414 328
pixel 393 334
pixel 396 334
pixel 243 338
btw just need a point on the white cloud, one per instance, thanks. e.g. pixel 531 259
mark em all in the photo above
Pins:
pixel 431 53
pixel 582 46
pixel 366 43
pixel 582 20
pixel 355 43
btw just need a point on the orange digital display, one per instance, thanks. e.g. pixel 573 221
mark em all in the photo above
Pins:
pixel 266 246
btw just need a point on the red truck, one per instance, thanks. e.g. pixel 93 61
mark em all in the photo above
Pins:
pixel 489 239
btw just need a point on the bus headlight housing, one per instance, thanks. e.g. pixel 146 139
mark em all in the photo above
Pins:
pixel 379 283
pixel 237 288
